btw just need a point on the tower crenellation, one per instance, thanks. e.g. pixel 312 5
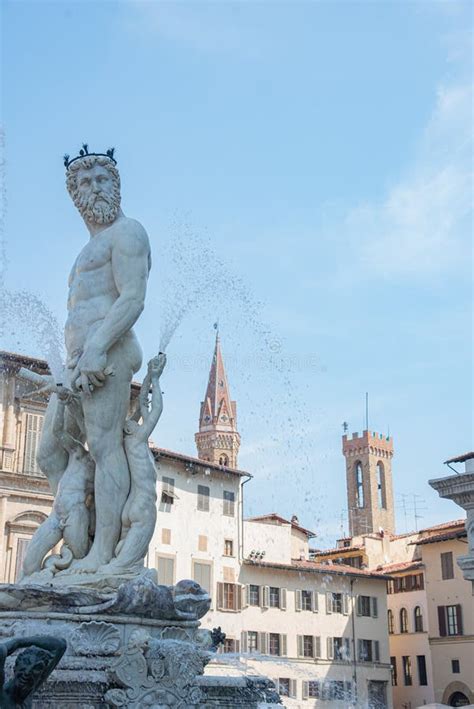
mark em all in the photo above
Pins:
pixel 369 482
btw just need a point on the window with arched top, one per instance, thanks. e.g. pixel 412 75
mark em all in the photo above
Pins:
pixel 390 621
pixel 359 480
pixel 381 496
pixel 418 618
pixel 223 459
pixel 403 620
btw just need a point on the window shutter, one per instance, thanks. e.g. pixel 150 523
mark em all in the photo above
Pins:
pixel 298 600
pixel 293 688
pixel 328 602
pixel 283 645
pixel 377 650
pixel 237 646
pixel 314 603
pixel 317 646
pixel 315 649
pixel 442 620
pixel 375 612
pixel 265 594
pixel 283 599
pixel 305 690
pixel 359 605
pixel 347 649
pixel 459 618
pixel 220 596
pixel 244 641
pixel 238 594
pixel 299 645
pixel 330 648
pixel 345 604
pixel 262 641
pixel 245 592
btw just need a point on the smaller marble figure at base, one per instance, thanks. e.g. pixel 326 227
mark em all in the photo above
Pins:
pixel 32 667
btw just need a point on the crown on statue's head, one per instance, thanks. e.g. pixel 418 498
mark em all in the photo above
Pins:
pixel 84 152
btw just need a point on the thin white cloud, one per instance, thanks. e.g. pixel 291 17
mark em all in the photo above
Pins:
pixel 423 225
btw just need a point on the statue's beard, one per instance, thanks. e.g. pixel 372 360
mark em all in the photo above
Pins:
pixel 100 209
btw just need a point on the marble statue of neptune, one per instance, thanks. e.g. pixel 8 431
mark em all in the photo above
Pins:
pixel 107 287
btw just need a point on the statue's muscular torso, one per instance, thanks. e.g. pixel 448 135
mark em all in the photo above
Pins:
pixel 92 288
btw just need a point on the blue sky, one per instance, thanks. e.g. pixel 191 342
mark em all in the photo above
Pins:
pixel 303 171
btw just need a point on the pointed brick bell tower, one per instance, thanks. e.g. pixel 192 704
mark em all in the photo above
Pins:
pixel 218 440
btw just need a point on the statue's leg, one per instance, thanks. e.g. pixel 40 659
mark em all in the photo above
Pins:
pixel 44 539
pixel 105 413
pixel 76 531
pixel 52 458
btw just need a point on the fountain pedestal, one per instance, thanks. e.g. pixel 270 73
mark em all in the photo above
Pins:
pixel 118 655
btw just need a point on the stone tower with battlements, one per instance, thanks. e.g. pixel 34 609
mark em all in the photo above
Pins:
pixel 218 440
pixel 369 483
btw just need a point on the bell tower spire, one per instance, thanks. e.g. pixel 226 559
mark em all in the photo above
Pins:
pixel 218 440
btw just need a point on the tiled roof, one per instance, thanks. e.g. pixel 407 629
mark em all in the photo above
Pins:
pixel 336 550
pixel 441 537
pixel 163 452
pixel 275 517
pixel 401 566
pixel 444 525
pixel 314 567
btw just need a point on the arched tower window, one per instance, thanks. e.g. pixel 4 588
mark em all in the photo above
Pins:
pixel 390 621
pixel 223 459
pixel 381 497
pixel 359 480
pixel 418 616
pixel 403 620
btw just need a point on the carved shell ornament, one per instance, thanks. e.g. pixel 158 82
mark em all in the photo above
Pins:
pixel 95 638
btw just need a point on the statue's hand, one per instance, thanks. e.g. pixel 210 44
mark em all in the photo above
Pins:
pixel 157 365
pixel 89 372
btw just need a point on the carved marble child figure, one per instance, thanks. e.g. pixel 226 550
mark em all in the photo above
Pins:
pixel 71 515
pixel 139 513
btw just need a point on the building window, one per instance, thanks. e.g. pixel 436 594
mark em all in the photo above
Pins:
pixel 274 597
pixel 447 565
pixel 418 620
pixel 33 428
pixel 203 498
pixel 284 686
pixel 228 547
pixel 223 459
pixel 393 669
pixel 306 600
pixel 254 595
pixel 422 678
pixel 407 678
pixel 455 667
pixel 252 641
pixel 369 651
pixel 308 646
pixel 165 570
pixel 390 621
pixel 230 645
pixel 452 617
pixel 228 597
pixel 229 503
pixel 313 689
pixel 202 575
pixel 359 480
pixel 336 602
pixel 340 648
pixel 403 620
pixel 450 620
pixel 274 644
pixel 381 486
pixel 365 605
pixel 167 493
